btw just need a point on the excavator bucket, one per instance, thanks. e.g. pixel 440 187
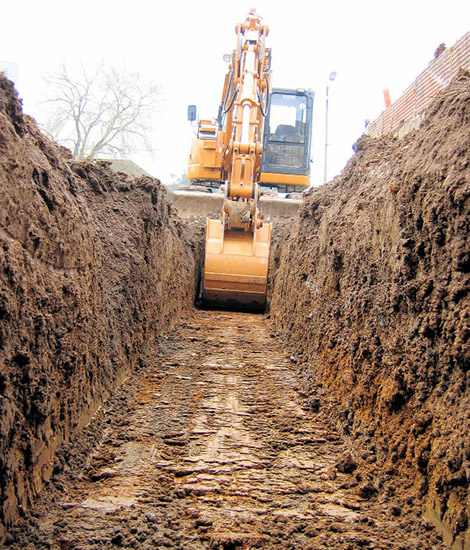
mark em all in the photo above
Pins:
pixel 236 267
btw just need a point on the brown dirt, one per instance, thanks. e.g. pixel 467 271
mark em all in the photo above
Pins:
pixel 372 289
pixel 221 437
pixel 213 446
pixel 85 257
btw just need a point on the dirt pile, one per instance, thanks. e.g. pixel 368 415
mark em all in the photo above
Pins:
pixel 371 287
pixel 93 264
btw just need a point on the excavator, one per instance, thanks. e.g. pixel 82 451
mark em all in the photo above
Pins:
pixel 259 142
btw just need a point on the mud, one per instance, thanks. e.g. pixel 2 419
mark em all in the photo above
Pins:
pixel 214 445
pixel 86 256
pixel 371 287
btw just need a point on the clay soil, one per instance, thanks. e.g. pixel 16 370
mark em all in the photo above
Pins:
pixel 86 257
pixel 371 287
pixel 338 421
pixel 212 444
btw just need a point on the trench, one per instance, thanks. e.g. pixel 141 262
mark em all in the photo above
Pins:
pixel 219 448
pixel 129 419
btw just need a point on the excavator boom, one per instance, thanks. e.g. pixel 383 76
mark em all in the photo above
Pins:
pixel 237 246
pixel 239 151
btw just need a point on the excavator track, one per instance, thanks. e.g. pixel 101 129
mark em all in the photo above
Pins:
pixel 211 446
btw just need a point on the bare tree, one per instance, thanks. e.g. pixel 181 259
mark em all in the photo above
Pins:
pixel 108 112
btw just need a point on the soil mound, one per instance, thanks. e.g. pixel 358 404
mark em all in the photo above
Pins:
pixel 93 264
pixel 372 289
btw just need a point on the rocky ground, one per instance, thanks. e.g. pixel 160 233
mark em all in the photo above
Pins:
pixel 213 444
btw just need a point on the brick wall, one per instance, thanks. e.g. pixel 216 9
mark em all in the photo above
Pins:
pixel 415 99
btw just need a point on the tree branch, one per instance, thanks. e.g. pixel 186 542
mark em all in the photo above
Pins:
pixel 109 111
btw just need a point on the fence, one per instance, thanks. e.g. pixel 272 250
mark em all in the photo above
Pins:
pixel 415 99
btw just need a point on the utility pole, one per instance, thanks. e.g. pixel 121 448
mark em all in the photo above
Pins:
pixel 331 79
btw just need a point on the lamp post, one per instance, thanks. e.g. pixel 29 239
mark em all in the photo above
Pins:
pixel 331 79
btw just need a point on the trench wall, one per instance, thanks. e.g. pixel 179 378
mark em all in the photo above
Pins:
pixel 371 287
pixel 93 265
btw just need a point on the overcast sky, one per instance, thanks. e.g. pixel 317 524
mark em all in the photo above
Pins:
pixel 371 45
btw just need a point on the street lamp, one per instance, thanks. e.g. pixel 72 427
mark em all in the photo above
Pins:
pixel 331 79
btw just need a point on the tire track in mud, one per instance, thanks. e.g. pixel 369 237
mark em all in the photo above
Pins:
pixel 219 451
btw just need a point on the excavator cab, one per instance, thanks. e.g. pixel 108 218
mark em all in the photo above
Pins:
pixel 285 162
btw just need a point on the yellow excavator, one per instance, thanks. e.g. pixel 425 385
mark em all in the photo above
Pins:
pixel 260 140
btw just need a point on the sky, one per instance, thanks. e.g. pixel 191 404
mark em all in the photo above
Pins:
pixel 371 45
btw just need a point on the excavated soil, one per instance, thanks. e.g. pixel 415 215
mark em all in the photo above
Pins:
pixel 213 445
pixel 86 257
pixel 341 422
pixel 371 287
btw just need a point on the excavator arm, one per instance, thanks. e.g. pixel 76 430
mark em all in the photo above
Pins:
pixel 237 246
pixel 243 131
pixel 261 137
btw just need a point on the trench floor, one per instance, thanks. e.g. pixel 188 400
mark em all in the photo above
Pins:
pixel 218 448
